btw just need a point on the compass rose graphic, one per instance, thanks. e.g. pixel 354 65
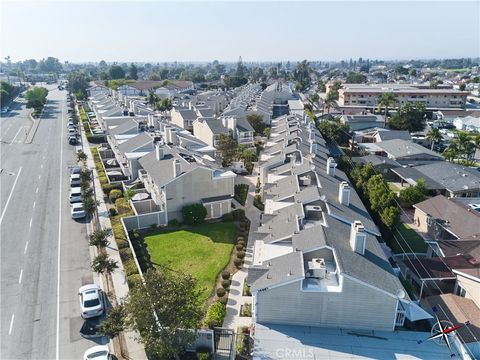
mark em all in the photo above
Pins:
pixel 442 332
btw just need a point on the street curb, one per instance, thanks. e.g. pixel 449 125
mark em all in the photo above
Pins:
pixel 33 129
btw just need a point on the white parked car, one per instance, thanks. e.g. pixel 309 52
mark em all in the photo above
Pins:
pixel 75 180
pixel 77 211
pixel 99 352
pixel 75 195
pixel 91 304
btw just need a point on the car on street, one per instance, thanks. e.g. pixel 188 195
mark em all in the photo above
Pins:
pixel 99 352
pixel 91 304
pixel 75 195
pixel 75 180
pixel 72 140
pixel 77 211
pixel 72 132
pixel 75 170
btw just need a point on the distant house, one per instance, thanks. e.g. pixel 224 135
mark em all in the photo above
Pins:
pixel 452 180
pixel 184 117
pixel 406 152
pixel 168 88
pixel 468 123
pixel 362 122
pixel 98 89
pixel 381 163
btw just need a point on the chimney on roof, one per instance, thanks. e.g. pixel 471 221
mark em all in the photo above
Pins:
pixel 159 151
pixel 189 105
pixel 358 237
pixel 177 168
pixel 313 148
pixel 331 165
pixel 344 193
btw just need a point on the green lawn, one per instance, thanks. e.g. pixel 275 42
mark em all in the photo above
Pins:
pixel 415 242
pixel 202 251
pixel 393 187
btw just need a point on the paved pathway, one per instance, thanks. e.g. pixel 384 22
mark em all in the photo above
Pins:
pixel 119 279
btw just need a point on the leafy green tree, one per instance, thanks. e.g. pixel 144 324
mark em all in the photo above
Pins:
pixel 164 105
pixel 414 194
pixel 116 72
pixel 409 117
pixel 379 195
pixel 36 97
pixel 7 91
pixel 81 156
pixel 386 101
pixel 462 86
pixel 194 214
pixel 152 98
pixel 256 121
pixel 302 74
pixel 434 136
pixel 450 153
pixel 78 84
pixel 227 147
pixel 101 264
pixel 334 131
pixel 133 72
pixel 390 216
pixel 115 323
pixel 321 87
pixel 356 78
pixel 215 315
pixel 162 308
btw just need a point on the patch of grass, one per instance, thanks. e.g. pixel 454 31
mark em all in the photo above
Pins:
pixel 241 191
pixel 393 187
pixel 409 240
pixel 202 251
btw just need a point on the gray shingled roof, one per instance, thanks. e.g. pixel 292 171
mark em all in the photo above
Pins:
pixel 123 128
pixel 216 126
pixel 453 177
pixel 135 142
pixel 399 148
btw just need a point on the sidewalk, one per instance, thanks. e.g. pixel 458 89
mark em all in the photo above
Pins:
pixel 233 320
pixel 120 288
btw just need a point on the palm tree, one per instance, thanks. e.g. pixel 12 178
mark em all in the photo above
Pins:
pixel 434 136
pixel 329 102
pixel 99 238
pixel 101 264
pixel 387 100
pixel 451 152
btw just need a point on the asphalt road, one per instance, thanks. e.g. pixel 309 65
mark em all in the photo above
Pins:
pixel 44 253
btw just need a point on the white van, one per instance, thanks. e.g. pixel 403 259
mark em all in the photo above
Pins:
pixel 75 195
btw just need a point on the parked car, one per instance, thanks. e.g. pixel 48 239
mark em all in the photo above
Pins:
pixel 72 140
pixel 75 180
pixel 99 352
pixel 75 195
pixel 77 211
pixel 75 170
pixel 91 304
pixel 72 132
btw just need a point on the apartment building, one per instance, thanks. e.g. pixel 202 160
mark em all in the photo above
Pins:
pixel 317 262
pixel 358 95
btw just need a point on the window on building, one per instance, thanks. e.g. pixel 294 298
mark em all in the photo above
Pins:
pixel 460 291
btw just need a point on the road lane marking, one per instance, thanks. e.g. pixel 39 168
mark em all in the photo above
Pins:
pixel 18 132
pixel 31 219
pixel 57 340
pixel 41 166
pixel 20 277
pixel 34 205
pixel 39 177
pixel 11 325
pixel 26 247
pixel 10 196
pixel 36 191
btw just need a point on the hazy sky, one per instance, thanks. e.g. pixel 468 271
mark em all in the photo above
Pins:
pixel 197 31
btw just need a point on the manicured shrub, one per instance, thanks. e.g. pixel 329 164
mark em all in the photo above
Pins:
pixel 174 223
pixel 238 262
pixel 241 191
pixel 130 267
pixel 225 284
pixel 223 300
pixel 194 214
pixel 112 211
pixel 122 206
pixel 134 280
pixel 239 247
pixel 135 234
pixel 109 187
pixel 221 292
pixel 225 275
pixel 114 195
pixel 215 315
pixel 122 244
pixel 240 238
pixel 243 243
pixel 241 254
pixel 227 217
pixel 238 214
pixel 125 254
